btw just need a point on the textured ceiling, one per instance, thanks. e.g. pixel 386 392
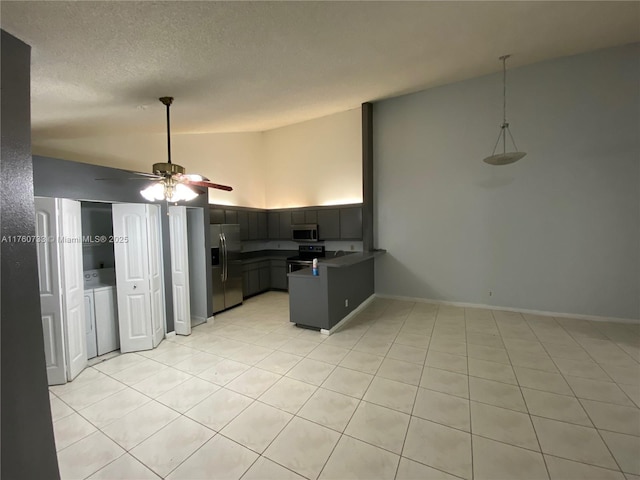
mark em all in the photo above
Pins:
pixel 99 67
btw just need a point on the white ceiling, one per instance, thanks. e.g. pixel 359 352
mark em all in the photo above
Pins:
pixel 99 67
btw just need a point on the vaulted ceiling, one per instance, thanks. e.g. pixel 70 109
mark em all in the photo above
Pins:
pixel 99 67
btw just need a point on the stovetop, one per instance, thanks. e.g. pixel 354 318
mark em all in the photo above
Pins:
pixel 308 253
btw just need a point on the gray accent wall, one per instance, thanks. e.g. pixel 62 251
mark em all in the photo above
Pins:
pixel 54 177
pixel 558 231
pixel 28 448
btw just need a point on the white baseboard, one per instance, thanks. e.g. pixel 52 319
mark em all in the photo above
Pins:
pixel 170 334
pixel 543 313
pixel 349 317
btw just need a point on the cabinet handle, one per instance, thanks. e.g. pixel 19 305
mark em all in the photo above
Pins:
pixel 135 286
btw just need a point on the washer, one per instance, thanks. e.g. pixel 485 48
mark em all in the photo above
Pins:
pixel 100 311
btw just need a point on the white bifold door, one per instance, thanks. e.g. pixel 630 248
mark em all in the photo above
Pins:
pixel 59 231
pixel 180 269
pixel 139 275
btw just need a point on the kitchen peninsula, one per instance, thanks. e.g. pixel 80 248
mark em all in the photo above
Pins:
pixel 342 284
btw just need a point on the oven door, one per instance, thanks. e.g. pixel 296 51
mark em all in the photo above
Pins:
pixel 295 265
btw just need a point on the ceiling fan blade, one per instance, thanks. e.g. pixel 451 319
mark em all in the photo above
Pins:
pixel 208 185
pixel 146 179
pixel 195 177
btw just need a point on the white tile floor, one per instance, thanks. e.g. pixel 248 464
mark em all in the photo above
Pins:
pixel 405 391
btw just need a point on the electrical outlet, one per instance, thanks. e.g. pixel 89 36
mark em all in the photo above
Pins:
pixel 346 302
pixel 351 247
pixel 278 245
pixel 490 293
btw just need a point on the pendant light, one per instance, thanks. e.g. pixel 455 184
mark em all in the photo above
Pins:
pixel 504 158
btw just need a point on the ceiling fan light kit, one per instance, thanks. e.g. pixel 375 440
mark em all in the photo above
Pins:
pixel 504 158
pixel 174 185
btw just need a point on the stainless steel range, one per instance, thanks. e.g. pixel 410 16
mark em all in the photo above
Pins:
pixel 304 259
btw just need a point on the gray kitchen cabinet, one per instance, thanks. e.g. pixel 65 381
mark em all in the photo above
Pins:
pixel 297 217
pixel 279 274
pixel 243 220
pixel 329 224
pixel 265 278
pixel 262 226
pixel 254 282
pixel 256 278
pixel 253 225
pixel 230 216
pixel 216 215
pixel 245 284
pixel 273 225
pixel 351 223
pixel 285 225
pixel 310 216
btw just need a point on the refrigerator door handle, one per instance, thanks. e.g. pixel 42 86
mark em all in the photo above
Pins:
pixel 222 257
pixel 226 258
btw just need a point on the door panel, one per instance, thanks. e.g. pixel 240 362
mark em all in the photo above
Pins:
pixel 180 269
pixel 50 301
pixel 132 277
pixel 89 318
pixel 73 285
pixel 137 308
pixel 156 273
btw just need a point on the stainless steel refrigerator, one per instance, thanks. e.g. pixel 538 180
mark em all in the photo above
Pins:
pixel 225 266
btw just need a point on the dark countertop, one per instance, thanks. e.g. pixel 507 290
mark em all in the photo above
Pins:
pixel 349 259
pixel 266 255
pixel 336 262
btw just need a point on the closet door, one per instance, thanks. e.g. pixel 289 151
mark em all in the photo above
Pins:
pixel 132 276
pixel 70 222
pixel 180 269
pixel 156 273
pixel 61 287
pixel 50 296
pixel 139 275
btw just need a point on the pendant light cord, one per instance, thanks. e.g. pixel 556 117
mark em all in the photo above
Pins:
pixel 505 125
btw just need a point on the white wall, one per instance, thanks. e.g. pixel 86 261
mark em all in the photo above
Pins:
pixel 558 231
pixel 234 159
pixel 318 162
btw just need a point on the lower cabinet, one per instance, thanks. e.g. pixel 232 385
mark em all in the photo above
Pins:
pixel 256 278
pixel 265 275
pixel 279 275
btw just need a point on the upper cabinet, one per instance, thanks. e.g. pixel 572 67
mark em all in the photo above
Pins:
pixel 216 215
pixel 243 220
pixel 297 217
pixel 273 225
pixel 339 223
pixel 351 223
pixel 328 224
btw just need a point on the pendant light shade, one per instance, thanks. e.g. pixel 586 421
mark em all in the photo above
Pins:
pixel 504 158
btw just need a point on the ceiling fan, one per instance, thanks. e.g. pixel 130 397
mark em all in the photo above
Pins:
pixel 172 183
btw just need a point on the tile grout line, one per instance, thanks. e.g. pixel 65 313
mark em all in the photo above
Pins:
pixel 581 405
pixel 533 427
pixel 406 433
pixel 375 319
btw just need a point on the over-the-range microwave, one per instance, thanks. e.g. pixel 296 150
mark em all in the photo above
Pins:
pixel 304 233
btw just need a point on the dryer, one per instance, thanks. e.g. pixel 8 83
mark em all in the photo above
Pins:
pixel 101 312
